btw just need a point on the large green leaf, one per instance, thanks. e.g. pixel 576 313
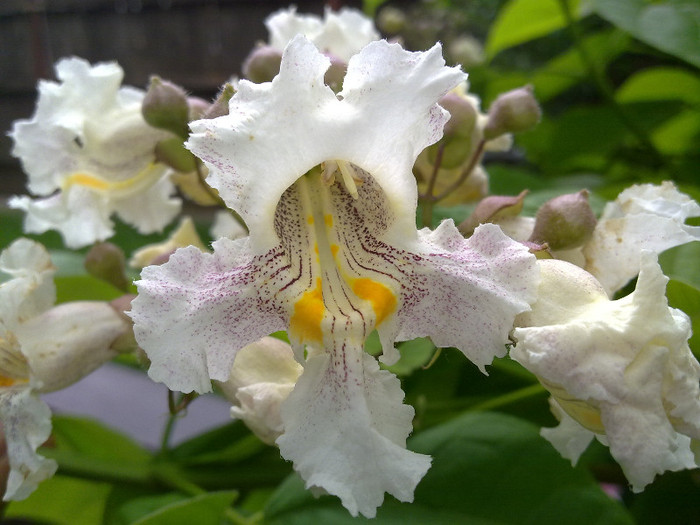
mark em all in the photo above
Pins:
pixel 205 509
pixel 523 20
pixel 661 83
pixel 487 469
pixel 63 500
pixel 671 26
pixel 96 441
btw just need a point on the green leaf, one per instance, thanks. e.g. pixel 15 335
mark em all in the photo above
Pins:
pixel 687 298
pixel 414 354
pixel 523 20
pixel 672 494
pixel 671 26
pixel 93 440
pixel 567 69
pixel 84 288
pixel 62 500
pixel 660 83
pixel 205 509
pixel 681 263
pixel 140 507
pixel 487 469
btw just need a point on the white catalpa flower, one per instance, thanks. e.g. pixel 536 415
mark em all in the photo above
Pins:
pixel 340 33
pixel 42 349
pixel 643 217
pixel 263 375
pixel 620 371
pixel 89 153
pixel 324 183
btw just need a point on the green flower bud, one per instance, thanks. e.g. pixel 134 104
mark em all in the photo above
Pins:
pixel 467 51
pixel 514 111
pixel 262 64
pixel 220 105
pixel 106 262
pixel 459 132
pixel 335 74
pixel 564 222
pixel 492 209
pixel 391 20
pixel 165 107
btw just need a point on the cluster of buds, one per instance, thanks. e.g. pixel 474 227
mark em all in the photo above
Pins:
pixel 450 170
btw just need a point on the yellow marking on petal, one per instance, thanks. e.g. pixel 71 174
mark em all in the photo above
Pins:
pixel 309 310
pixel 310 219
pixel 380 296
pixel 140 180
pixel 316 248
pixel 585 414
pixel 334 249
pixel 10 381
pixel 328 219
pixel 83 179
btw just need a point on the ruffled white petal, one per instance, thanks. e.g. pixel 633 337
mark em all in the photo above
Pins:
pixel 385 115
pixel 643 217
pixel 622 369
pixel 466 293
pixel 80 216
pixel 88 135
pixel 196 311
pixel 342 33
pixel 32 290
pixel 26 425
pixel 569 438
pixel 346 428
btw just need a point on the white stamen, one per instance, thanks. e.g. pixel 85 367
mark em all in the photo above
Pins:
pixel 348 173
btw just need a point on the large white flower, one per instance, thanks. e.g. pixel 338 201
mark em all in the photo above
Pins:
pixel 643 217
pixel 619 370
pixel 42 349
pixel 324 184
pixel 341 33
pixel 89 153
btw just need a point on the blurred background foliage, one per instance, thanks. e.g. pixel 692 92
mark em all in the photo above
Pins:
pixel 619 84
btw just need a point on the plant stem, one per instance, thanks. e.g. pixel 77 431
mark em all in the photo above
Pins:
pixel 473 161
pixel 509 398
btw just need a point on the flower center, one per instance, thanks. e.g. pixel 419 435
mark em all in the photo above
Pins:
pixel 348 289
pixel 14 368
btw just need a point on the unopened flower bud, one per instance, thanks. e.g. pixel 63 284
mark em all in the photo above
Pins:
pixel 512 112
pixel 335 74
pixel 172 152
pixel 391 20
pixel 219 107
pixel 262 377
pixel 565 222
pixel 69 341
pixel 262 64
pixel 197 108
pixel 459 133
pixel 106 262
pixel 463 115
pixel 491 209
pixel 165 107
pixel 467 51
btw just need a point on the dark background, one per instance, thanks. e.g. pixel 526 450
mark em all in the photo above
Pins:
pixel 198 44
